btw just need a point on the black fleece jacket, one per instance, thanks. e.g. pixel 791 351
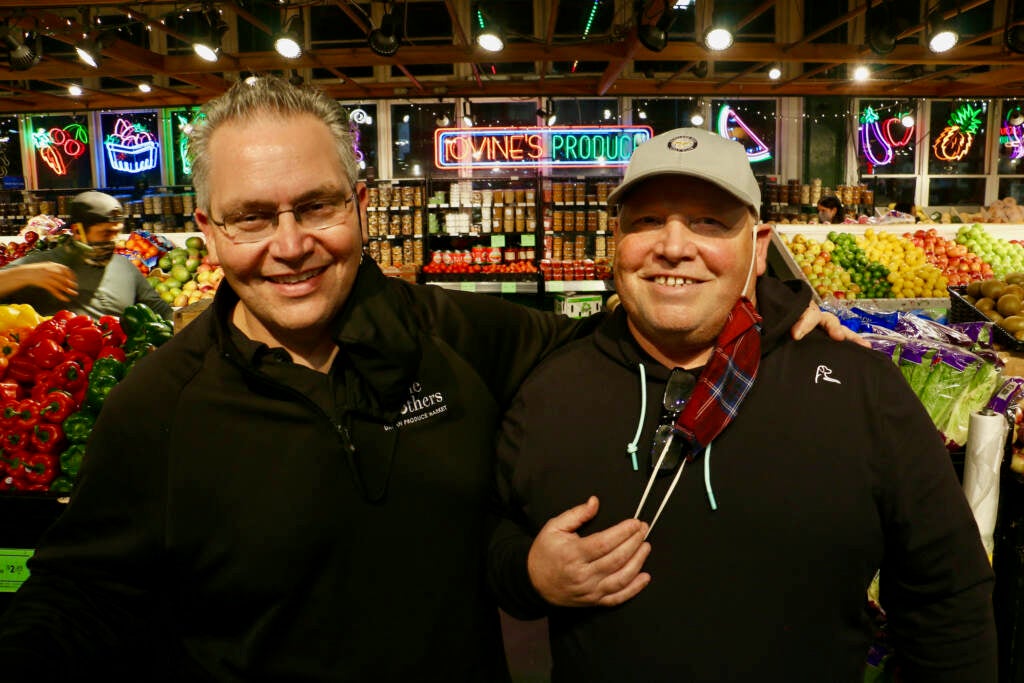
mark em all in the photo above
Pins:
pixel 228 528
pixel 832 470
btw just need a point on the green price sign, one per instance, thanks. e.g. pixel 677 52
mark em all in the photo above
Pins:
pixel 13 569
pixel 528 240
pixel 467 286
pixel 508 288
pixel 497 240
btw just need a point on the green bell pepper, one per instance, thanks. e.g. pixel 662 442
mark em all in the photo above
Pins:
pixel 61 485
pixel 107 365
pixel 135 316
pixel 99 387
pixel 78 426
pixel 71 460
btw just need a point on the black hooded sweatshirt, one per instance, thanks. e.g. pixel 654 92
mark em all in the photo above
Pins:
pixel 831 471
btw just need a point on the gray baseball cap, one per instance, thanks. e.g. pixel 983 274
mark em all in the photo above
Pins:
pixel 697 153
pixel 92 207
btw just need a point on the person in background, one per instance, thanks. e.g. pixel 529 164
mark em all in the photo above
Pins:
pixel 86 278
pixel 297 486
pixel 731 492
pixel 830 210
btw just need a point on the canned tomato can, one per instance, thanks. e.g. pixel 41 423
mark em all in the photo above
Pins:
pixel 479 254
pixel 494 255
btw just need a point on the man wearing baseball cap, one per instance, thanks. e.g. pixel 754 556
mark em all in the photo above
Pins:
pixel 730 492
pixel 82 276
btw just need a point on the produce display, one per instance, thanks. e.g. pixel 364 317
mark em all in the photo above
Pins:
pixel 878 264
pixel 499 271
pixel 1001 301
pixel 184 275
pixel 54 378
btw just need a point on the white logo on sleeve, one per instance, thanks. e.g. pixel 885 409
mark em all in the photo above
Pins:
pixel 824 374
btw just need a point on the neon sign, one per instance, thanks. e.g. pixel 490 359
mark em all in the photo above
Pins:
pixel 559 146
pixel 356 118
pixel 955 140
pixel 1011 134
pixel 728 118
pixel 869 128
pixel 54 143
pixel 131 148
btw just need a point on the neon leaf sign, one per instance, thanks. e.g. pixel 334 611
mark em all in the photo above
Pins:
pixel 131 148
pixel 955 140
pixel 726 117
pixel 55 143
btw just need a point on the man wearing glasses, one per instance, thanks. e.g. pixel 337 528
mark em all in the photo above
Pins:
pixel 741 489
pixel 297 486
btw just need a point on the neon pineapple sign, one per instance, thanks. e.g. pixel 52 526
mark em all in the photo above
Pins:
pixel 131 148
pixel 59 145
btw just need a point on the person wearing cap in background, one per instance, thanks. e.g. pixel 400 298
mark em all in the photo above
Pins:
pixel 731 492
pixel 84 278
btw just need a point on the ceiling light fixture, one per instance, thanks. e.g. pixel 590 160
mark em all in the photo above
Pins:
pixel 548 114
pixel 443 121
pixel 384 39
pixel 697 119
pixel 467 117
pixel 20 56
pixel 881 32
pixel 718 37
pixel 89 50
pixel 145 87
pixel 490 37
pixel 861 73
pixel 75 90
pixel 288 42
pixel 208 46
pixel 942 36
pixel 775 72
pixel 655 36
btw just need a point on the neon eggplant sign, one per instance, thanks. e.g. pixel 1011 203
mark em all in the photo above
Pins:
pixel 555 146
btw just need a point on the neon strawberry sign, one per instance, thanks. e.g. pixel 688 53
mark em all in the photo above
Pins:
pixel 131 148
pixel 57 143
pixel 727 117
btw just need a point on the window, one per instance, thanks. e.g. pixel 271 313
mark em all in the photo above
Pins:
pixel 751 123
pixel 61 144
pixel 412 135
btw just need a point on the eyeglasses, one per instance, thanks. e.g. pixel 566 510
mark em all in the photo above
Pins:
pixel 321 213
pixel 678 390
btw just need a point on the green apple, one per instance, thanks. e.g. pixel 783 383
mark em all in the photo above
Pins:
pixel 181 273
pixel 195 242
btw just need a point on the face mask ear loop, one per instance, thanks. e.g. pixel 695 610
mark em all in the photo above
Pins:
pixel 753 260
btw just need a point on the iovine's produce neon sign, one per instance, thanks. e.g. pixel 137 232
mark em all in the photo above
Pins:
pixel 955 140
pixel 54 143
pixel 561 146
pixel 131 148
pixel 882 134
pixel 728 118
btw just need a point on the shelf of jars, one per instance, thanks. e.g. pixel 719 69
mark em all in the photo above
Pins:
pixel 394 217
pixel 578 242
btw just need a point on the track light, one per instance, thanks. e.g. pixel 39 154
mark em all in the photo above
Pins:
pixel 718 37
pixel 208 45
pixel 384 39
pixel 655 36
pixel 20 56
pixel 443 121
pixel 861 73
pixel 700 69
pixel 490 37
pixel 775 72
pixel 75 90
pixel 548 114
pixel 288 42
pixel 467 116
pixel 942 37
pixel 89 50
pixel 145 87
pixel 697 119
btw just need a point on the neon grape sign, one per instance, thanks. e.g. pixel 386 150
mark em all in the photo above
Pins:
pixel 557 146
pixel 728 118
pixel 55 143
pixel 131 148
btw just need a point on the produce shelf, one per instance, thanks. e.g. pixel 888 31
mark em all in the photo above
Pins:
pixel 491 287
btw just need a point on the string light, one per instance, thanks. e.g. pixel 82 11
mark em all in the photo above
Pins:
pixel 586 30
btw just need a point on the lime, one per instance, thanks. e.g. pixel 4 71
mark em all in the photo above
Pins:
pixel 164 263
pixel 181 273
pixel 195 242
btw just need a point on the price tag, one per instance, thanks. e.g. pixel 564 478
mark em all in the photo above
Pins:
pixel 497 240
pixel 467 286
pixel 528 240
pixel 13 571
pixel 508 288
pixel 555 286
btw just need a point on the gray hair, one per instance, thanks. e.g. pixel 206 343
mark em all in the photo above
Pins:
pixel 266 95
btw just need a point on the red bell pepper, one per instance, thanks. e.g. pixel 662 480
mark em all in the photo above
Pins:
pixel 77 321
pixel 111 328
pixel 21 369
pixel 53 329
pixel 63 315
pixel 8 482
pixel 112 351
pixel 70 376
pixel 46 438
pixel 9 391
pixel 45 353
pixel 15 440
pixel 83 360
pixel 21 416
pixel 37 468
pixel 45 383
pixel 88 340
pixel 56 406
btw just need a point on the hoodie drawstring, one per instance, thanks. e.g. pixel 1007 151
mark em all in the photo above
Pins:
pixel 631 446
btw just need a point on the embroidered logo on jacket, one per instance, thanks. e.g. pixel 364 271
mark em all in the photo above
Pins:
pixel 824 374
pixel 422 404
